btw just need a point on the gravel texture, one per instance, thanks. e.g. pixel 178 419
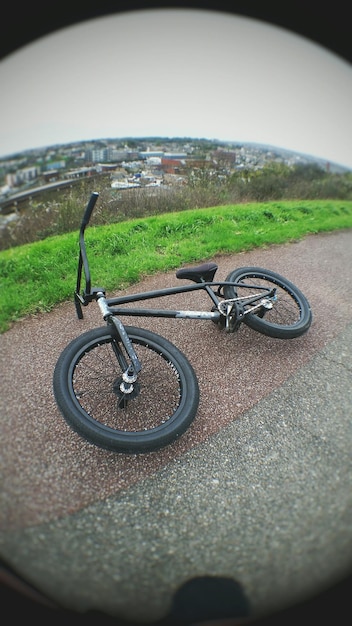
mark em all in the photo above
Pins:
pixel 68 507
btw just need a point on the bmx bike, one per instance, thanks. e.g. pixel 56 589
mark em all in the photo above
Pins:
pixel 130 390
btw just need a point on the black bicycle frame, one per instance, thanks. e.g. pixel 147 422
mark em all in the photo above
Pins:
pixel 111 306
pixel 149 295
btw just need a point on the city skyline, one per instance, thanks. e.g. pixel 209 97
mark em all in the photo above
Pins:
pixel 212 76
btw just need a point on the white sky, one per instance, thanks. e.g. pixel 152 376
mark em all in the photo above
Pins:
pixel 177 72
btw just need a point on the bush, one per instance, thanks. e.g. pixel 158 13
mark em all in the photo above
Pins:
pixel 201 189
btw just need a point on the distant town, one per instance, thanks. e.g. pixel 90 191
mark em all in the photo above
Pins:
pixel 132 162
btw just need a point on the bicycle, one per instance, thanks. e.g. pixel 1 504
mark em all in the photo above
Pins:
pixel 130 390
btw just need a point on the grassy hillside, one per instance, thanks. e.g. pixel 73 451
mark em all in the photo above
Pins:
pixel 35 277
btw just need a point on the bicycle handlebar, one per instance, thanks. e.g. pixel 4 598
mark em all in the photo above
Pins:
pixel 83 260
pixel 89 210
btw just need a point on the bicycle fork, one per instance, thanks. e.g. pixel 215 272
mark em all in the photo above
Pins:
pixel 128 383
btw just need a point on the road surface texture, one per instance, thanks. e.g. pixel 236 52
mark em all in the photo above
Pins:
pixel 257 490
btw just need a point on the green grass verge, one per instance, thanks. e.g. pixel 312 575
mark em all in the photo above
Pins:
pixel 36 277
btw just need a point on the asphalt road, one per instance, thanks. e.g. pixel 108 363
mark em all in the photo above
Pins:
pixel 258 490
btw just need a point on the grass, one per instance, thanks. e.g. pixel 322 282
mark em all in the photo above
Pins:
pixel 35 277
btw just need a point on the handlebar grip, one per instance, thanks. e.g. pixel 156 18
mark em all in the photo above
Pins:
pixel 89 210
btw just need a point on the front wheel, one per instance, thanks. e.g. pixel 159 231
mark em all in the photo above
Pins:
pixel 87 388
pixel 290 315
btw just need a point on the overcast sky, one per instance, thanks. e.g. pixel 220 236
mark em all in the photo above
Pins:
pixel 175 72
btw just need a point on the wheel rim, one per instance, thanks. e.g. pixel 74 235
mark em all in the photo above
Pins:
pixel 154 402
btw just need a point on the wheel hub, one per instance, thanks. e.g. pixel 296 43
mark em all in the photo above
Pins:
pixel 127 391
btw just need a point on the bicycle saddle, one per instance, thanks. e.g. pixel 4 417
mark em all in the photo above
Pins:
pixel 199 274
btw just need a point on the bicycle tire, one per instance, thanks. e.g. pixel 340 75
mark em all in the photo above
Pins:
pixel 86 388
pixel 291 315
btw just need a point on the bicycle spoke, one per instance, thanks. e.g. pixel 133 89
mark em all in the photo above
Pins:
pixel 285 310
pixel 155 401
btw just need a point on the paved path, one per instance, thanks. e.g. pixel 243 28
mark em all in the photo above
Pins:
pixel 258 489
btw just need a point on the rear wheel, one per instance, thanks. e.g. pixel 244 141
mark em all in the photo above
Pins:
pixel 289 317
pixel 160 407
